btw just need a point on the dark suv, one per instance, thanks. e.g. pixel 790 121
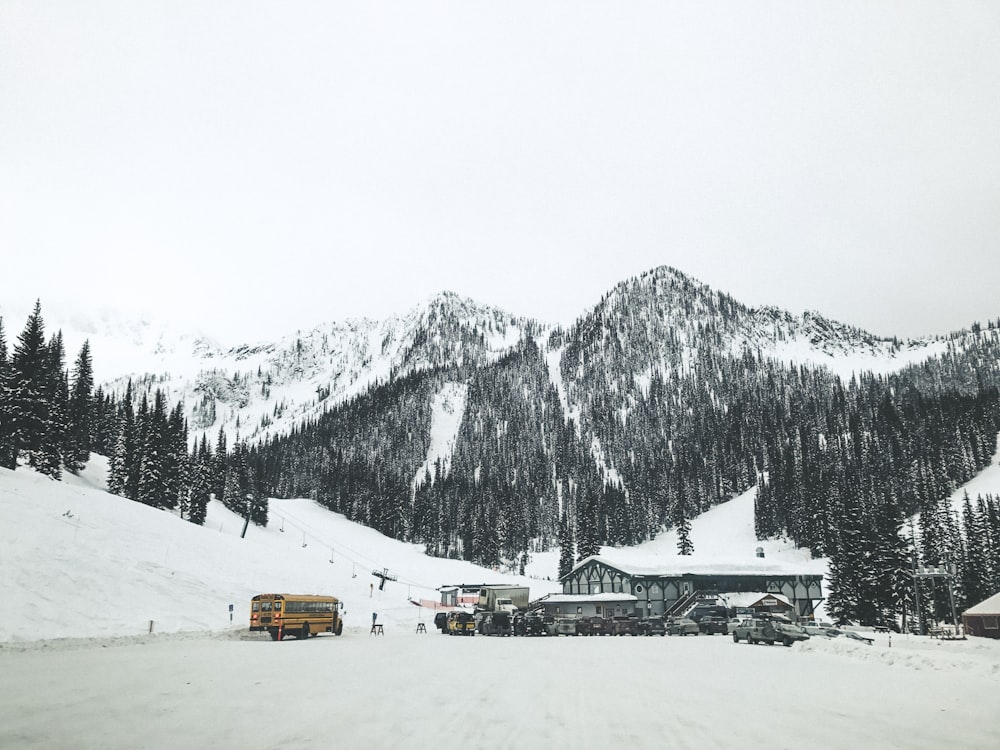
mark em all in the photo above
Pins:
pixel 713 625
pixel 441 622
pixel 652 626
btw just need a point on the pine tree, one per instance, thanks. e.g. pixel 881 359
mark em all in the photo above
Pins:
pixel 201 475
pixel 152 488
pixel 54 438
pixel 567 553
pixel 589 526
pixel 8 455
pixel 80 430
pixel 219 467
pixel 31 390
pixel 123 455
pixel 138 448
pixel 175 459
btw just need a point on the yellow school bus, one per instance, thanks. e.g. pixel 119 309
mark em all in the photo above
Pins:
pixel 301 615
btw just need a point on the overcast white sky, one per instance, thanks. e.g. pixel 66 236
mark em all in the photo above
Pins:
pixel 272 165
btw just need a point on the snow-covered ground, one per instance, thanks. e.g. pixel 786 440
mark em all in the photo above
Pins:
pixel 83 563
pixel 88 573
pixel 424 691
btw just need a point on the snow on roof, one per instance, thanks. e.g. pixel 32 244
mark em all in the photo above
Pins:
pixel 989 607
pixel 578 598
pixel 748 599
pixel 678 565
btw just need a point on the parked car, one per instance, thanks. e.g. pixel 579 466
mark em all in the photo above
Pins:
pixel 533 623
pixel 755 630
pixel 682 626
pixel 565 626
pixel 820 630
pixel 593 626
pixel 652 626
pixel 788 633
pixel 461 623
pixel 441 622
pixel 625 626
pixel 855 636
pixel 713 625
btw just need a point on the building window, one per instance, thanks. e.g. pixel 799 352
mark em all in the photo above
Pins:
pixel 579 610
pixel 991 623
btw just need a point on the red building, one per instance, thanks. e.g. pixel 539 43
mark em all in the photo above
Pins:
pixel 983 620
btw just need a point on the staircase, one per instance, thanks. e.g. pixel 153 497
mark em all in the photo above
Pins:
pixel 683 606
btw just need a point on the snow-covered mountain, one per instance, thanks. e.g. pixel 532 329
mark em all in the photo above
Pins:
pixel 259 388
pixel 264 387
pixel 671 316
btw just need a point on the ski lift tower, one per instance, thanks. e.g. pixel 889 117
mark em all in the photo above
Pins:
pixel 385 575
pixel 947 573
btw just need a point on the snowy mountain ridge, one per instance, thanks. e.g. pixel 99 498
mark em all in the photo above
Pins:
pixel 267 387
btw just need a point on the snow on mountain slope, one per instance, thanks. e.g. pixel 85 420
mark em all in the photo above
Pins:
pixel 666 306
pixel 262 388
pixel 447 411
pixel 81 563
pixel 724 541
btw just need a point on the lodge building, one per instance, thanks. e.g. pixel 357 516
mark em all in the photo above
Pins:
pixel 666 591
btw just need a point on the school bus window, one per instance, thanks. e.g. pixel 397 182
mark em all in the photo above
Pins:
pixel 277 606
pixel 256 606
pixel 265 606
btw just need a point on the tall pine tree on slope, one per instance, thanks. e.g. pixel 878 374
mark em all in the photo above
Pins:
pixel 58 398
pixel 31 383
pixel 201 482
pixel 8 456
pixel 119 478
pixel 80 435
pixel 152 484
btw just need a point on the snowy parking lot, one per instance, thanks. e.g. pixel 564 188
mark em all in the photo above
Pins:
pixel 406 690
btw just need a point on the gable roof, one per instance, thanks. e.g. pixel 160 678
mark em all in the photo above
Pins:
pixel 750 599
pixel 676 566
pixel 989 607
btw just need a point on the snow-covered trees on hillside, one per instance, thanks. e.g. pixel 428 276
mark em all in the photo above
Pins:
pixel 40 422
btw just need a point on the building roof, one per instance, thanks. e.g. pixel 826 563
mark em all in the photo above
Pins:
pixel 989 607
pixel 749 599
pixel 675 566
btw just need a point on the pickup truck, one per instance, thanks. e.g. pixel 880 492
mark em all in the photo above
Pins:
pixel 753 630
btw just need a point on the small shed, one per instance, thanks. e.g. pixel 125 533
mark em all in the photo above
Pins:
pixel 983 620
pixel 757 603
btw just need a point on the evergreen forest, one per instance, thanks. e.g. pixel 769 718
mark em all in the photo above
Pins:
pixel 631 430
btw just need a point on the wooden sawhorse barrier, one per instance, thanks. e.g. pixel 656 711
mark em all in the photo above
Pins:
pixel 377 629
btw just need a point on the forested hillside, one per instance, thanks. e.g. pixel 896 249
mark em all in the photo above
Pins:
pixel 663 400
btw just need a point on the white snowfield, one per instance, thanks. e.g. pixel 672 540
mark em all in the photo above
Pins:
pixel 86 573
